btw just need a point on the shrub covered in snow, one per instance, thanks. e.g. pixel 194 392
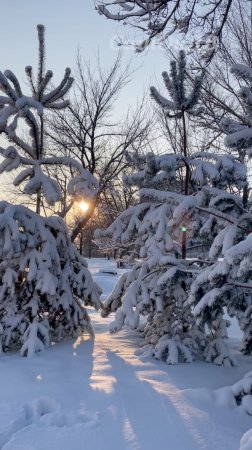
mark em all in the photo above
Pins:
pixel 45 283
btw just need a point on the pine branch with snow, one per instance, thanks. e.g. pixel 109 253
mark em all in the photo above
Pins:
pixel 176 84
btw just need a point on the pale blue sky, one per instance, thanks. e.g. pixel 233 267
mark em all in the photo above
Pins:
pixel 69 24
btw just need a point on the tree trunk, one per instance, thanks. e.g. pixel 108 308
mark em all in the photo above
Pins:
pixel 245 195
pixel 82 223
pixel 183 252
pixel 81 244
pixel 39 155
pixel 38 202
pixel 90 249
pixel 187 175
pixel 187 180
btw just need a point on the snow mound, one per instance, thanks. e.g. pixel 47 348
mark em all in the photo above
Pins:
pixel 238 395
pixel 246 441
pixel 41 417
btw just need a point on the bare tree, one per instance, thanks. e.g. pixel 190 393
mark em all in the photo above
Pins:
pixel 86 131
pixel 165 17
pixel 220 91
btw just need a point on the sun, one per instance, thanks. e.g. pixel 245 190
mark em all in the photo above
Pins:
pixel 84 206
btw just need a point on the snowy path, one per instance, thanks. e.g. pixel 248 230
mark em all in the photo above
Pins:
pixel 98 395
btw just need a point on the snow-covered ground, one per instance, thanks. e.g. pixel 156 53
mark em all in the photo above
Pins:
pixel 98 395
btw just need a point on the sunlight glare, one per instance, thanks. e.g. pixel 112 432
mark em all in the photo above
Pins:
pixel 84 206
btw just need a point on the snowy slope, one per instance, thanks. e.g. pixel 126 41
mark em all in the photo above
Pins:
pixel 98 395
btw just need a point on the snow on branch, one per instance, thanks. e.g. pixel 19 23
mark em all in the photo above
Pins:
pixel 239 135
pixel 181 102
pixel 82 184
pixel 206 169
pixel 162 18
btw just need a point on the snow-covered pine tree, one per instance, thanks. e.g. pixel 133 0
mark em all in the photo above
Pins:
pixel 44 282
pixel 21 115
pixel 181 104
pixel 158 286
pixel 227 282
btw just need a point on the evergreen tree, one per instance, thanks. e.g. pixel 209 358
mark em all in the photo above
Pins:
pixel 159 284
pixel 227 282
pixel 44 282
pixel 20 113
pixel 181 103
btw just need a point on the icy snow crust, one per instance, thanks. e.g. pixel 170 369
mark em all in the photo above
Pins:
pixel 96 394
